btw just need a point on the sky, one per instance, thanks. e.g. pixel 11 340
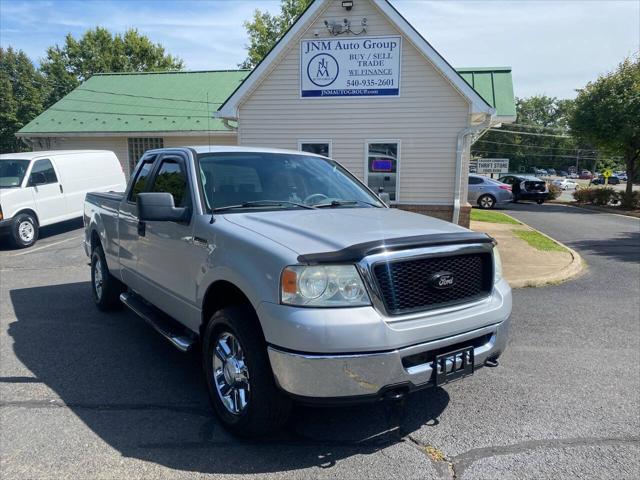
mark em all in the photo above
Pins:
pixel 553 46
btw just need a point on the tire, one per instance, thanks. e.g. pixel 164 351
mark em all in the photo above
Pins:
pixel 486 202
pixel 539 202
pixel 24 231
pixel 105 288
pixel 259 407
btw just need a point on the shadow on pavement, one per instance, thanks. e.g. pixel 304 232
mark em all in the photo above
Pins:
pixel 148 401
pixel 624 248
pixel 45 232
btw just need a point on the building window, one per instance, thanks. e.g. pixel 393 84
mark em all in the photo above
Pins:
pixel 137 147
pixel 319 147
pixel 382 167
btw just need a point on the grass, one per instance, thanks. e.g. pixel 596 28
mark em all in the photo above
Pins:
pixel 491 216
pixel 539 241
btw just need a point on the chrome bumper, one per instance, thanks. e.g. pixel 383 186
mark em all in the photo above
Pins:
pixel 357 375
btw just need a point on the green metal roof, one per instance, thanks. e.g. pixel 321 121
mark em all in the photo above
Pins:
pixel 495 85
pixel 177 101
pixel 141 102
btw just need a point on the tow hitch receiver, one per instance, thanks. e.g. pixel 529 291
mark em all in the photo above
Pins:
pixel 453 365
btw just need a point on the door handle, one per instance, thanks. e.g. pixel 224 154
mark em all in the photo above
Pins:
pixel 61 190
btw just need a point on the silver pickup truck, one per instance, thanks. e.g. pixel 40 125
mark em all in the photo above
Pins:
pixel 297 282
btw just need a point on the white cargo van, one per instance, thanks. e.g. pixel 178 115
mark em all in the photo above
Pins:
pixel 42 188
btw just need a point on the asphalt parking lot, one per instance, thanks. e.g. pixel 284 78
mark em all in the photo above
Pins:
pixel 85 394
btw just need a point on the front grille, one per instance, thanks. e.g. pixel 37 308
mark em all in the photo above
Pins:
pixel 408 285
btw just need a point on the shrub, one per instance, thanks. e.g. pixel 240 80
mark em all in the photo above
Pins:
pixel 554 191
pixel 604 196
pixel 629 202
pixel 584 195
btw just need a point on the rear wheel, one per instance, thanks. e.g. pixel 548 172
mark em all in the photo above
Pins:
pixel 486 202
pixel 24 231
pixel 238 374
pixel 540 202
pixel 106 289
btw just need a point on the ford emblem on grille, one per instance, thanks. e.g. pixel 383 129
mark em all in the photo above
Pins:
pixel 442 280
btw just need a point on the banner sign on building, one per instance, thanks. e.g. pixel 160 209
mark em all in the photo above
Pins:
pixel 350 67
pixel 490 165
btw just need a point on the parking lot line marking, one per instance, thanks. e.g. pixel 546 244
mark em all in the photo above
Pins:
pixel 33 250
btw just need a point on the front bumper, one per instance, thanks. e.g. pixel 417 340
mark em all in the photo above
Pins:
pixel 362 376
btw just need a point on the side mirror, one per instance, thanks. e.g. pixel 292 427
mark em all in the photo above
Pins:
pixel 384 197
pixel 159 207
pixel 37 178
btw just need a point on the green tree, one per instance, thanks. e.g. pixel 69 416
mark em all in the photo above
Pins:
pixel 607 113
pixel 265 30
pixel 22 95
pixel 547 119
pixel 100 51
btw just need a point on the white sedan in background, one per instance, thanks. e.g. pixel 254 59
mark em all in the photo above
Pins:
pixel 565 184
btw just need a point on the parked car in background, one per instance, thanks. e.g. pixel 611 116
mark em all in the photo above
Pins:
pixel 622 176
pixel 526 187
pixel 585 175
pixel 309 289
pixel 551 171
pixel 562 173
pixel 43 188
pixel 565 184
pixel 573 175
pixel 613 180
pixel 486 192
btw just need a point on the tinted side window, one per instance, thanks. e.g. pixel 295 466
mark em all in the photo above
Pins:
pixel 171 178
pixel 45 167
pixel 140 181
pixel 475 181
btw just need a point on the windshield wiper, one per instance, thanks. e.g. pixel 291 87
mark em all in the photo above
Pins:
pixel 341 203
pixel 262 203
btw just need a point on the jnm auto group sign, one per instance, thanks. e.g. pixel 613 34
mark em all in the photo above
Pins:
pixel 358 67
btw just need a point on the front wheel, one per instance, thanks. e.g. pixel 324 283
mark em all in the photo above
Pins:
pixel 24 231
pixel 238 374
pixel 486 202
pixel 539 202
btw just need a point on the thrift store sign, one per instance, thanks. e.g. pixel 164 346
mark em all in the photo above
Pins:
pixel 350 67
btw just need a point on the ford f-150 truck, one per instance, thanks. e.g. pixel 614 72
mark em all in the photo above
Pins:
pixel 296 280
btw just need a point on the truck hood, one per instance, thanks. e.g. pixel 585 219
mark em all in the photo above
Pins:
pixel 328 230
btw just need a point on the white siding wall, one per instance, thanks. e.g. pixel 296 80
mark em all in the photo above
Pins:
pixel 426 118
pixel 120 147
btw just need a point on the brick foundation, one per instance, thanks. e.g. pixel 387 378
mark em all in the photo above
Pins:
pixel 443 212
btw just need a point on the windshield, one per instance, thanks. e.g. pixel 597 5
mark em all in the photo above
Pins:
pixel 261 180
pixel 12 172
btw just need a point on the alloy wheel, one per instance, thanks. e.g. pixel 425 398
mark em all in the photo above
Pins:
pixel 230 373
pixel 97 278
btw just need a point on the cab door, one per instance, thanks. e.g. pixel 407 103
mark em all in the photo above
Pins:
pixel 168 262
pixel 48 192
pixel 128 222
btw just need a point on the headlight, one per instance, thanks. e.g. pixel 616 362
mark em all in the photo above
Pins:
pixel 497 266
pixel 323 286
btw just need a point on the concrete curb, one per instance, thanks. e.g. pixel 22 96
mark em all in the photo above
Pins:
pixel 577 266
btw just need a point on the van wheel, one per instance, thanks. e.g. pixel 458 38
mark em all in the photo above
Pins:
pixel 238 374
pixel 24 232
pixel 486 202
pixel 106 289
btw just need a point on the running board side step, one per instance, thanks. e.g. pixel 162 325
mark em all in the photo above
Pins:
pixel 162 323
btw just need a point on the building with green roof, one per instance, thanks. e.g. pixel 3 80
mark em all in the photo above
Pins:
pixel 384 103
